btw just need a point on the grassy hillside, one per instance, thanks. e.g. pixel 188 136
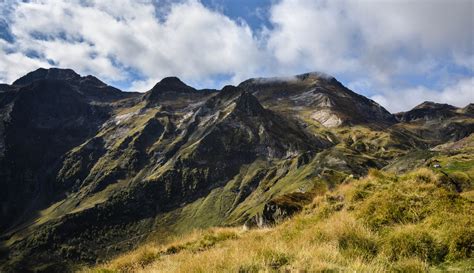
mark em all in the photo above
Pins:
pixel 383 222
pixel 121 171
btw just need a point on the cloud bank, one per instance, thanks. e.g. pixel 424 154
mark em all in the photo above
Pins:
pixel 399 53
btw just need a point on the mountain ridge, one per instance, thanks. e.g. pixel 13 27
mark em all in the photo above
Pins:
pixel 174 84
pixel 85 165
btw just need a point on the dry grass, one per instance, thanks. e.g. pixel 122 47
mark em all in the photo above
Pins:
pixel 381 223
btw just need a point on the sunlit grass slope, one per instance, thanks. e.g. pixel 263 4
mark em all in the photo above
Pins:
pixel 383 222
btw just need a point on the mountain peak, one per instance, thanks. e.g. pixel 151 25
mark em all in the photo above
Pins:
pixel 171 89
pixel 469 109
pixel 173 84
pixel 230 90
pixel 248 104
pixel 92 80
pixel 433 105
pixel 244 102
pixel 43 73
pixel 428 110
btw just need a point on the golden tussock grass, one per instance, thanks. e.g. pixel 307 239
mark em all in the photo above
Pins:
pixel 380 223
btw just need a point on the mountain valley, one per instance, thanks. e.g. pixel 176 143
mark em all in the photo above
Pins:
pixel 90 172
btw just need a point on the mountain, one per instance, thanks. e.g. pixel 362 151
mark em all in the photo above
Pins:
pixel 438 122
pixel 318 97
pixel 89 171
pixel 428 111
pixel 45 114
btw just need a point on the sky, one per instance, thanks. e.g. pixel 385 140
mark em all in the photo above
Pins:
pixel 398 53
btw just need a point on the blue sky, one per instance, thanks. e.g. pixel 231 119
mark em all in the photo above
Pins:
pixel 254 12
pixel 399 53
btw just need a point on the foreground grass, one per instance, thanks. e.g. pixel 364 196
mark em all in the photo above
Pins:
pixel 410 223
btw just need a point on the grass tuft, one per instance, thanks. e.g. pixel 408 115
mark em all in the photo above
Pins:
pixel 274 259
pixel 413 242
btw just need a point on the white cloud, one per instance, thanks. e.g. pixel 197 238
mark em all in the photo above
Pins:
pixel 106 38
pixel 378 45
pixel 396 100
pixel 382 38
pixel 15 64
pixel 310 34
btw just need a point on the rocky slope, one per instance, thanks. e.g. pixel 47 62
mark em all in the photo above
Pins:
pixel 90 171
pixel 438 123
pixel 318 97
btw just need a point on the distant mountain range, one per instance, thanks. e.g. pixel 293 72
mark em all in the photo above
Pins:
pixel 88 171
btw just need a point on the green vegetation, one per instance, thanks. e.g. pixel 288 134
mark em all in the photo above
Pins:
pixel 383 222
pixel 117 171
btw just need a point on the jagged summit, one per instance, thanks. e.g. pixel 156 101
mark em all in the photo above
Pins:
pixel 227 95
pixel 244 101
pixel 248 104
pixel 43 73
pixel 230 89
